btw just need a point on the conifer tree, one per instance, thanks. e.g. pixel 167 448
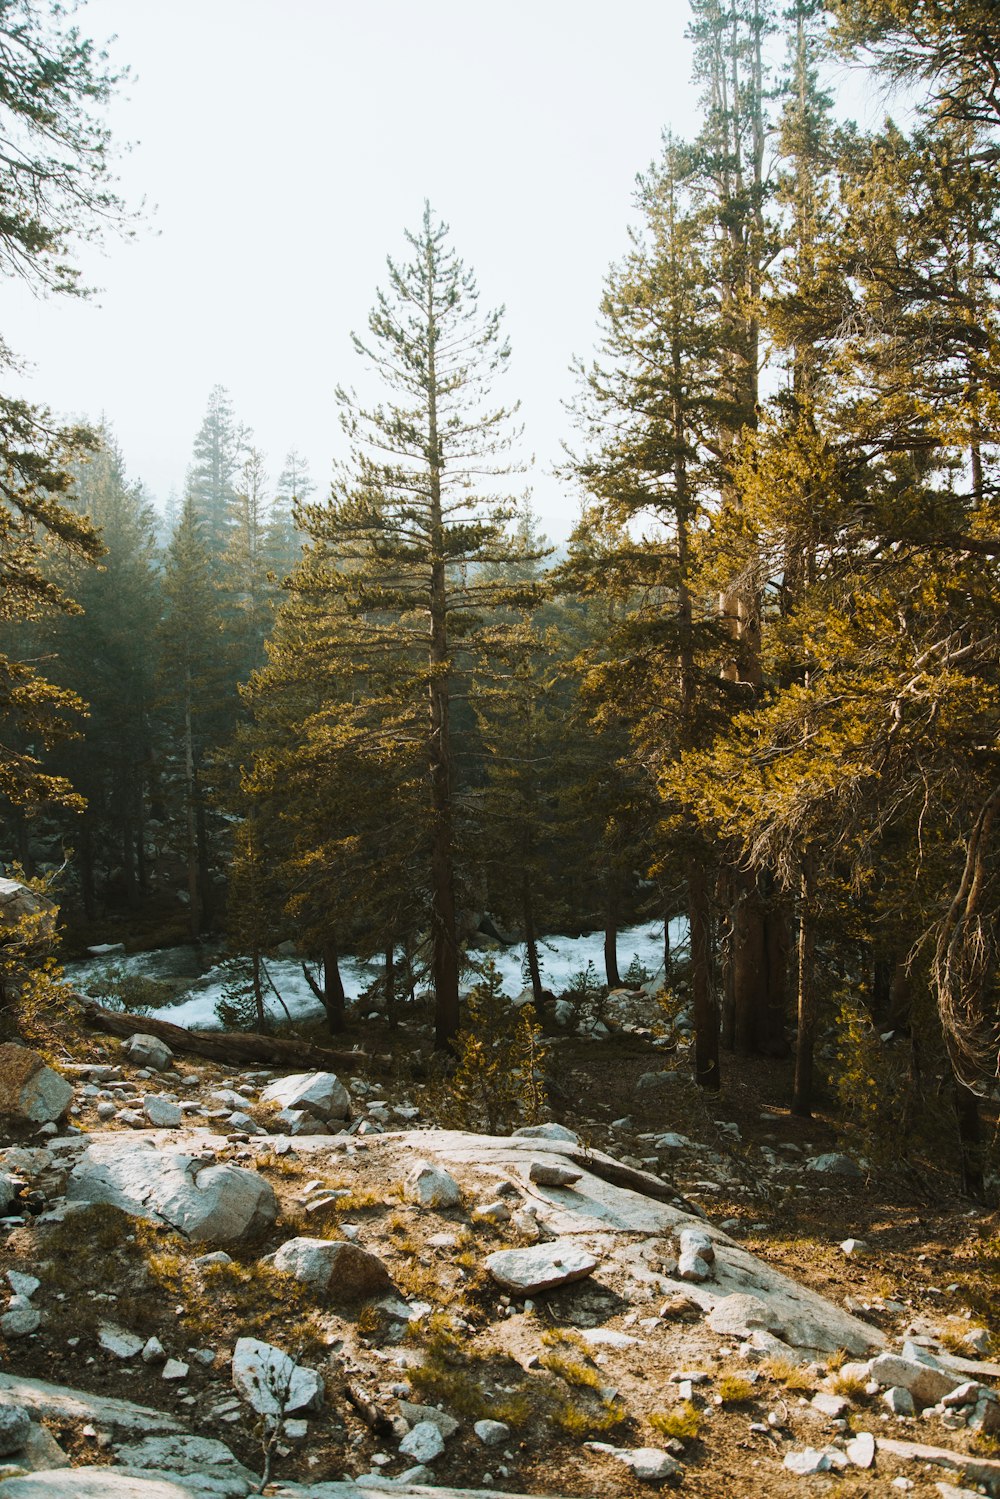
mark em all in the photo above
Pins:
pixel 410 525
pixel 220 448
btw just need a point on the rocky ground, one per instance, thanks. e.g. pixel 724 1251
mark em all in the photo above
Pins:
pixel 221 1279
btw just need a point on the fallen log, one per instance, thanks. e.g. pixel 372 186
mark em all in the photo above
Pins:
pixel 235 1048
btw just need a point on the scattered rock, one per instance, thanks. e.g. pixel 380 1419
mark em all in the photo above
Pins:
pixel 540 1268
pixel 341 1269
pixel 271 1382
pixel 855 1248
pixel 831 1406
pixel 926 1382
pixel 899 1401
pixel 20 1319
pixel 833 1164
pixel 161 1112
pixel 123 1345
pixel 861 1450
pixel 697 1255
pixel 149 1051
pixel 433 1187
pixel 649 1464
pixel 15 1427
pixel 809 1460
pixel 321 1094
pixel 549 1131
pixel 414 1414
pixel 492 1433
pixel 549 1174
pixel 424 1443
pixel 31 1092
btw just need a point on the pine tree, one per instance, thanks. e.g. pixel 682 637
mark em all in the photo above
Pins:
pixel 105 654
pixel 194 702
pixel 219 451
pixel 409 529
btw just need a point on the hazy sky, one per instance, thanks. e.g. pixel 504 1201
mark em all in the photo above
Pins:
pixel 282 148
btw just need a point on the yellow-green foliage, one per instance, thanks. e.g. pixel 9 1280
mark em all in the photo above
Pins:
pixel 683 1422
pixel 734 1390
pixel 585 1420
pixel 850 1386
pixel 33 992
pixel 876 1087
pixel 497 1082
pixel 784 1372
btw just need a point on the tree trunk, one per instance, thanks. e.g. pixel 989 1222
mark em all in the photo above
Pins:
pixel 970 1135
pixel 333 990
pixel 234 1048
pixel 190 817
pixel 390 986
pixel 444 938
pixel 802 1097
pixel 256 978
pixel 611 937
pixel 706 1019
pixel 531 944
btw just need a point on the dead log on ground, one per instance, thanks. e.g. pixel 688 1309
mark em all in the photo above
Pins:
pixel 234 1048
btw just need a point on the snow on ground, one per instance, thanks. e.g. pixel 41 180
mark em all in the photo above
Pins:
pixel 561 959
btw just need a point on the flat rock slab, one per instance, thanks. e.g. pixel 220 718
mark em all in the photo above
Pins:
pixel 984 1470
pixel 63 1403
pixel 94 1483
pixel 800 1317
pixel 540 1268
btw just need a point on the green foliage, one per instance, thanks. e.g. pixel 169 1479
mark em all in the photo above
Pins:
pixel 880 1093
pixel 33 993
pixel 497 1081
pixel 636 973
pixel 118 989
pixel 587 996
pixel 683 1422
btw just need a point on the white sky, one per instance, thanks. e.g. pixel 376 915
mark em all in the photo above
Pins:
pixel 282 149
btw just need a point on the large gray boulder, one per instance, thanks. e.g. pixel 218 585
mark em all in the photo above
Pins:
pixel 321 1094
pixel 222 1203
pixel 31 1092
pixel 342 1270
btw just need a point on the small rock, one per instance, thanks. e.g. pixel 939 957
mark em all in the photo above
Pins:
pixel 174 1369
pixel 649 1464
pixel 855 1248
pixel 831 1406
pixel 149 1051
pixel 20 1319
pixel 15 1428
pixel 899 1401
pixel 833 1164
pixel 861 1451
pixel 31 1092
pixel 809 1460
pixel 22 1285
pixel 272 1382
pixel 342 1270
pixel 433 1187
pixel 414 1414
pixel 492 1433
pixel 153 1351
pixel 697 1255
pixel 424 1443
pixel 548 1174
pixel 115 1340
pixel 492 1212
pixel 548 1131
pixel 161 1112
pixel 321 1094
pixel 540 1268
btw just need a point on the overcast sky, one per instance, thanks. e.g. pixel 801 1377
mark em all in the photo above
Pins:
pixel 282 148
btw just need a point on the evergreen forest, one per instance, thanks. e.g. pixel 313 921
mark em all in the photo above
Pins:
pixel 756 695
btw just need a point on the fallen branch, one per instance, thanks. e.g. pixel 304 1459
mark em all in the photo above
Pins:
pixel 231 1047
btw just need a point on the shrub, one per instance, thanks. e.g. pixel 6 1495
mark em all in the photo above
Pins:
pixel 497 1081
